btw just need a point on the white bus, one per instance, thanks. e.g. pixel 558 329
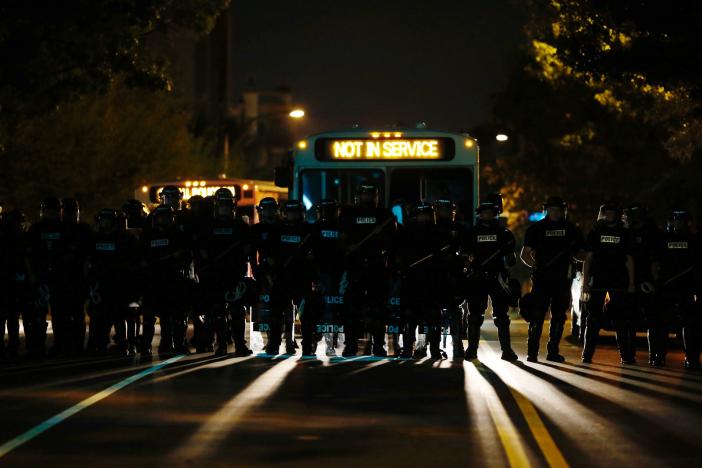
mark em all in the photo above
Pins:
pixel 407 165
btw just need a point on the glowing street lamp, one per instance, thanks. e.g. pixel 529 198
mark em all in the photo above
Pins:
pixel 297 114
pixel 501 137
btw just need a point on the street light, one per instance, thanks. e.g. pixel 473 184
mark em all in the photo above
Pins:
pixel 297 113
pixel 501 137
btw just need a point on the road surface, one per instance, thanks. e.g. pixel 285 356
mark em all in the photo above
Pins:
pixel 200 410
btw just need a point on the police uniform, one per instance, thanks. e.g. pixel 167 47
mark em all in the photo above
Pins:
pixel 366 231
pixel 450 292
pixel 645 241
pixel 491 246
pixel 610 246
pixel 14 281
pixel 167 258
pixel 47 246
pixel 112 257
pixel 290 277
pixel 418 255
pixel 554 244
pixel 679 255
pixel 69 305
pixel 325 301
pixel 222 269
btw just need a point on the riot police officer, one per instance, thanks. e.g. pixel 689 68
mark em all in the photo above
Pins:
pixel 677 274
pixel 551 247
pixel 293 272
pixel 47 247
pixel 324 304
pixel 264 235
pixel 14 287
pixel 609 269
pixel 111 258
pixel 200 216
pixel 449 289
pixel 137 219
pixel 419 259
pixel 69 304
pixel 366 229
pixel 166 261
pixel 490 250
pixel 223 251
pixel 645 239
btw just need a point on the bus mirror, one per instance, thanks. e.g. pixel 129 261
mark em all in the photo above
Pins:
pixel 282 176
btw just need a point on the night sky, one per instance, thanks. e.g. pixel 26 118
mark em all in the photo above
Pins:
pixel 379 62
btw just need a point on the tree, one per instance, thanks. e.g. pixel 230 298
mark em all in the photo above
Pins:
pixel 100 148
pixel 84 104
pixel 595 112
pixel 54 51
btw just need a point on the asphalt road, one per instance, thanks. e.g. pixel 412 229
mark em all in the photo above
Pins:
pixel 262 410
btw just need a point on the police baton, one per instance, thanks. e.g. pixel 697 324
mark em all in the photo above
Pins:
pixel 648 287
pixel 487 260
pixel 431 255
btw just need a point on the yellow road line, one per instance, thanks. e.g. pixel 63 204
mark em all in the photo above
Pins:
pixel 509 436
pixel 538 429
pixel 548 447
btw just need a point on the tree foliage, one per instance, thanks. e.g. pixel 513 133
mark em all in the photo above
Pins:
pixel 100 148
pixel 84 103
pixel 602 105
pixel 52 51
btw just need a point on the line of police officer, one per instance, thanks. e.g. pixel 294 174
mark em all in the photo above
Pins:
pixel 355 270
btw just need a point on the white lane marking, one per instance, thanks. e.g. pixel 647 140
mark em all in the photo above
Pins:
pixel 216 428
pixel 39 429
pixel 207 364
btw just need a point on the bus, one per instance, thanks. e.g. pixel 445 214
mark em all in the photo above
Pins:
pixel 407 165
pixel 248 192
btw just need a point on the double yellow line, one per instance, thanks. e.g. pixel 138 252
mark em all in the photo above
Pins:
pixel 511 440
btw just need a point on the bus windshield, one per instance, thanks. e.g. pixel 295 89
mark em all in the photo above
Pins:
pixel 317 184
pixel 431 184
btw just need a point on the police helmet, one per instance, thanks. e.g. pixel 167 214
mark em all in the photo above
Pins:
pixel 445 203
pixel 109 217
pixel 677 214
pixel 554 202
pixel 71 209
pixel 50 203
pixel 224 197
pixel 196 201
pixel 161 212
pixel 328 208
pixel 445 208
pixel 368 192
pixel 170 192
pixel 368 187
pixel 135 213
pixel 609 206
pixel 223 194
pixel 487 205
pixel 496 199
pixel 15 217
pixel 290 206
pixel 424 207
pixel 267 202
pixel 635 212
